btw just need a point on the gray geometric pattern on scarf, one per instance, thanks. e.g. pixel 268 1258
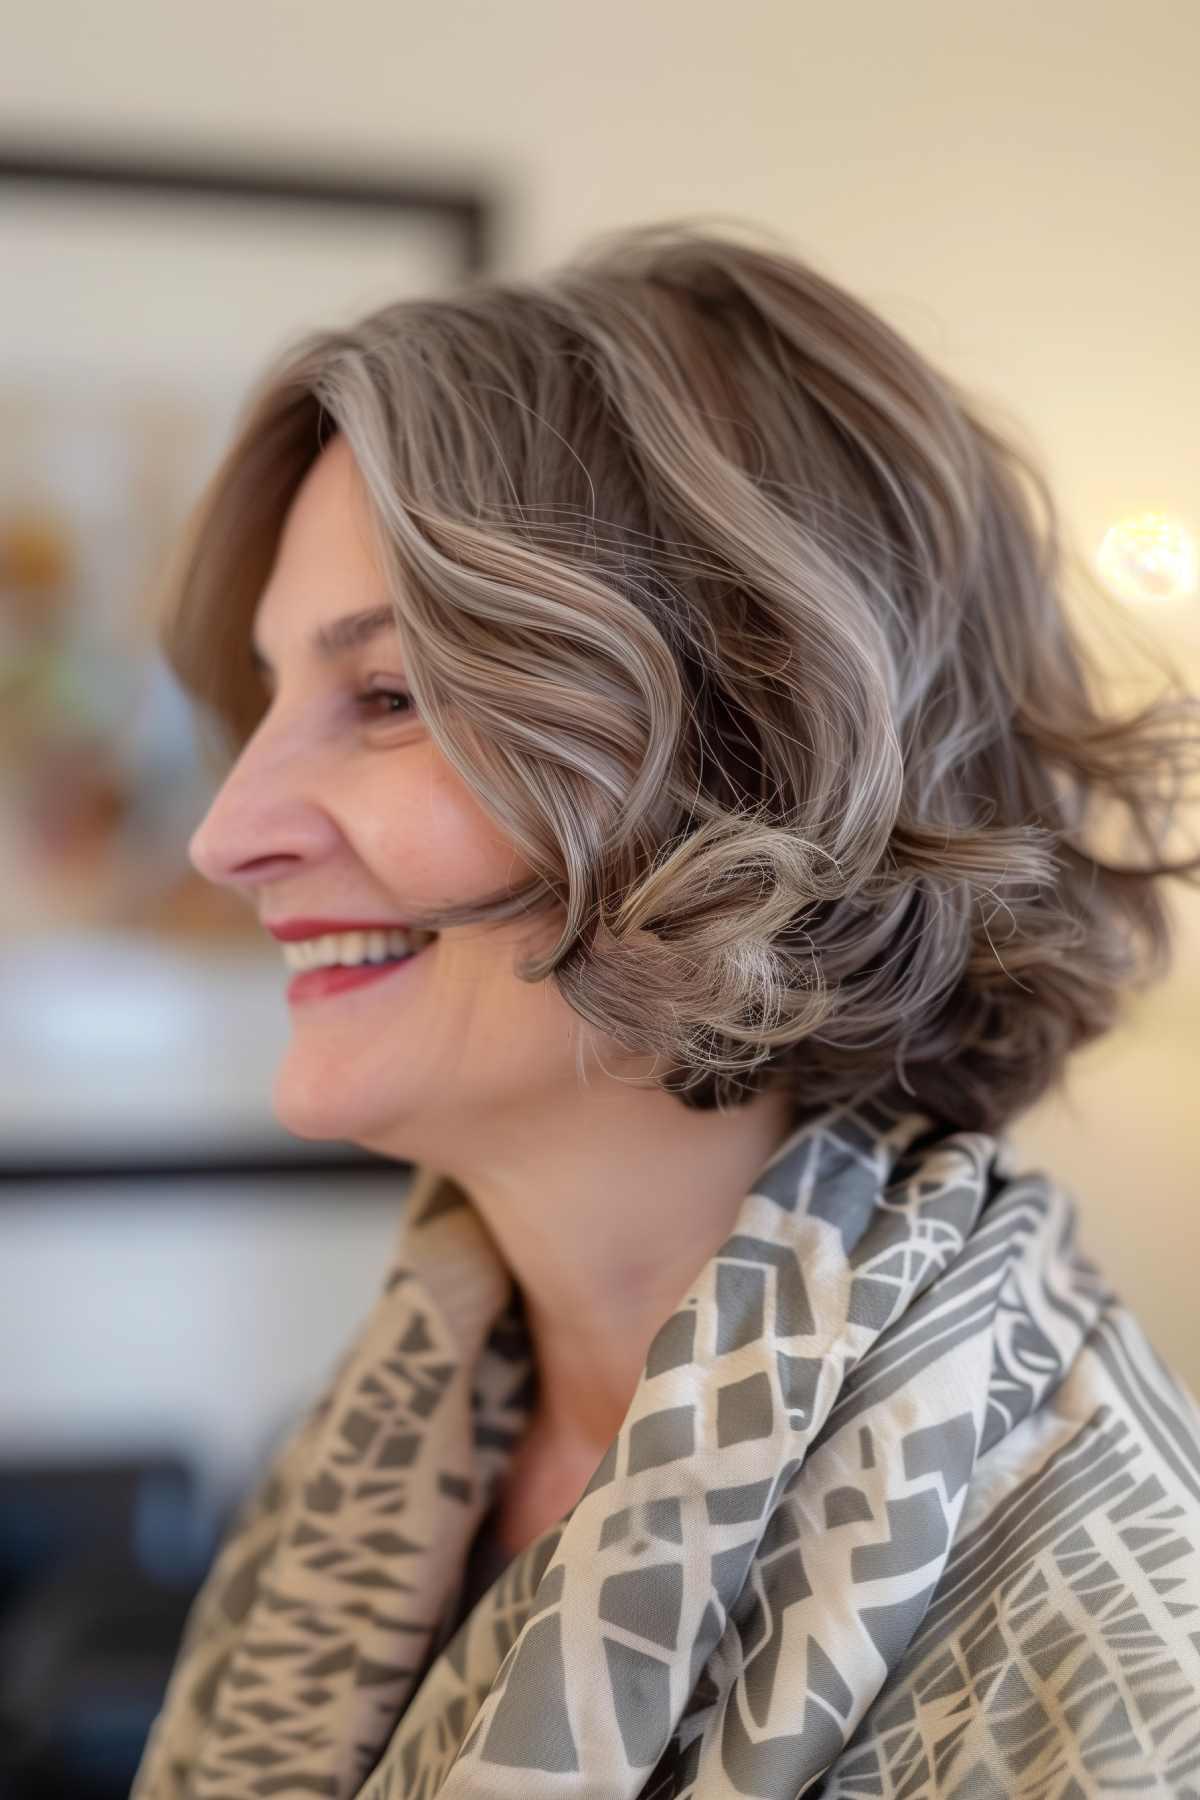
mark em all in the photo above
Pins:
pixel 904 1500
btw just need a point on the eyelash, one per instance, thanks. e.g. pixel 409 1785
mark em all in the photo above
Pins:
pixel 364 701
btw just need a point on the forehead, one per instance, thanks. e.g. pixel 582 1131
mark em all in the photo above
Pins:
pixel 324 566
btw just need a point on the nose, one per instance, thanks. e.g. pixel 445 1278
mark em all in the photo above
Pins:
pixel 264 819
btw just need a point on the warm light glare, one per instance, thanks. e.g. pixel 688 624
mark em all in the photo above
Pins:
pixel 1149 558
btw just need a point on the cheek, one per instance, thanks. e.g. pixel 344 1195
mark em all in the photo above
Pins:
pixel 428 839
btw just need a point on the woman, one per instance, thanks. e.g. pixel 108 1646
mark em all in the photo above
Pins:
pixel 679 649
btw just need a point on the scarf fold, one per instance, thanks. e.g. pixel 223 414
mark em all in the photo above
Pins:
pixel 903 1500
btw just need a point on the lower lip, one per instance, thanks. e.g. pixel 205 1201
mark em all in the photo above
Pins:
pixel 320 984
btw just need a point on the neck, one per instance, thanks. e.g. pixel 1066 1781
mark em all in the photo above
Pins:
pixel 605 1214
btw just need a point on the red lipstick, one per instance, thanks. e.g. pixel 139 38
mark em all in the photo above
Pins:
pixel 321 983
pixel 293 931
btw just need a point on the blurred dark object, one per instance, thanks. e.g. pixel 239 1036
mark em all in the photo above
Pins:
pixel 99 1561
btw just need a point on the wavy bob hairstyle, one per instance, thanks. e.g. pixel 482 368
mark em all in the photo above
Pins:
pixel 747 630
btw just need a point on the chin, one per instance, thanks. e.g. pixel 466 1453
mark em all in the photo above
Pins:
pixel 311 1108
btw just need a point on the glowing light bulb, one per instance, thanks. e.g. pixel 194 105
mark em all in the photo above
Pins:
pixel 1148 558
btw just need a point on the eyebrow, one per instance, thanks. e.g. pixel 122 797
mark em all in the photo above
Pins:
pixel 340 635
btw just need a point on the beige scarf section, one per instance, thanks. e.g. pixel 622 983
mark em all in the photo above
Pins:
pixel 897 1450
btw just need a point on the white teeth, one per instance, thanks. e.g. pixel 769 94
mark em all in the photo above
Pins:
pixel 349 948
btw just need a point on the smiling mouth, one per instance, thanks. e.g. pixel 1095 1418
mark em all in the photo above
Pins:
pixel 326 979
pixel 354 949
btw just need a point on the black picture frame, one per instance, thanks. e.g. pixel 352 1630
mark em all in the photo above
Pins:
pixel 470 209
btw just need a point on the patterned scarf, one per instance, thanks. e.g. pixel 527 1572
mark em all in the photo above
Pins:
pixel 903 1500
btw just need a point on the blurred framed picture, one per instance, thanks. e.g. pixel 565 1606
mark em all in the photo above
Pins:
pixel 142 297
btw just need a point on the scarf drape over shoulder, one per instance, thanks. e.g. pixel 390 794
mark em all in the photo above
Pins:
pixel 904 1504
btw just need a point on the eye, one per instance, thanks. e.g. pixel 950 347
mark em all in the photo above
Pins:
pixel 368 702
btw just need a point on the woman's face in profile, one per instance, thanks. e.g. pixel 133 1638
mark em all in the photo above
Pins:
pixel 341 809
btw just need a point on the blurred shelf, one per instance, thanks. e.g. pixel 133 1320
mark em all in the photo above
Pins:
pixel 24 1167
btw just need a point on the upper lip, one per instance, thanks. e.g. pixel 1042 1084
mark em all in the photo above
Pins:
pixel 291 931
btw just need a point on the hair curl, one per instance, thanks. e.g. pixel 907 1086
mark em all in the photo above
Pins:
pixel 744 626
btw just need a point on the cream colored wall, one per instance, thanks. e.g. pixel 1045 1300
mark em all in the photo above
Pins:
pixel 1016 187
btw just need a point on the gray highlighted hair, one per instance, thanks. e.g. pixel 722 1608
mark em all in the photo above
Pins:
pixel 749 632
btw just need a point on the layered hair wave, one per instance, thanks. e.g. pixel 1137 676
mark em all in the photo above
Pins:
pixel 747 627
